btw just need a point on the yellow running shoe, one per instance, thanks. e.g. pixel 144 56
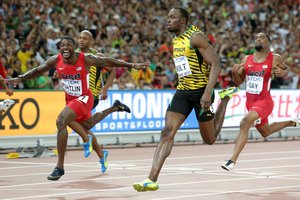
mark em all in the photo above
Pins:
pixel 229 92
pixel 146 185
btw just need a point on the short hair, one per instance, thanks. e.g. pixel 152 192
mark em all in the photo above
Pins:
pixel 269 38
pixel 67 37
pixel 184 13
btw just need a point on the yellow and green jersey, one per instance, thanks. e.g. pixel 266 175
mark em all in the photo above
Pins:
pixel 95 79
pixel 192 70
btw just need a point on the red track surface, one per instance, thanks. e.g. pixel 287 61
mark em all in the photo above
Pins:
pixel 266 170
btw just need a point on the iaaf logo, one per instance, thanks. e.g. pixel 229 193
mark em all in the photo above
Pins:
pixel 13 124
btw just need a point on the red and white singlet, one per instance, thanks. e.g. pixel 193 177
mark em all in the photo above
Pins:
pixel 258 83
pixel 75 82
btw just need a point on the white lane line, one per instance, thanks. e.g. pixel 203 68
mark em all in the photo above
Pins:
pixel 126 164
pixel 170 158
pixel 231 191
pixel 164 185
pixel 124 188
pixel 173 167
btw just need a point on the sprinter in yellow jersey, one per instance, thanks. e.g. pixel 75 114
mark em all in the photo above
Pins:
pixel 198 67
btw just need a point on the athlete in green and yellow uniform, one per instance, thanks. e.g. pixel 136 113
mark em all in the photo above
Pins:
pixel 198 67
pixel 97 84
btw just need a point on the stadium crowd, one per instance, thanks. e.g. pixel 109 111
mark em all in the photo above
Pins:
pixel 134 30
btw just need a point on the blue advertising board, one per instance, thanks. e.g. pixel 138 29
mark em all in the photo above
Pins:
pixel 148 108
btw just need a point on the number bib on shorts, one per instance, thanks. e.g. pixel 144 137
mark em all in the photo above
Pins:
pixel 254 84
pixel 83 99
pixel 72 87
pixel 182 66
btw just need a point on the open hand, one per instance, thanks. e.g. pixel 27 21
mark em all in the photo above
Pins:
pixel 140 65
pixel 205 101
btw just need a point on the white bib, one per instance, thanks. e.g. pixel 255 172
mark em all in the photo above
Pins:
pixel 254 84
pixel 83 99
pixel 72 87
pixel 182 66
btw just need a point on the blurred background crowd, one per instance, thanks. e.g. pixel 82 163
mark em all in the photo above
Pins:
pixel 134 30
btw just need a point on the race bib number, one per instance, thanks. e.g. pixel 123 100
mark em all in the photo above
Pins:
pixel 83 99
pixel 182 66
pixel 72 87
pixel 254 84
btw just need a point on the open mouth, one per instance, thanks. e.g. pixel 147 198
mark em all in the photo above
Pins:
pixel 66 53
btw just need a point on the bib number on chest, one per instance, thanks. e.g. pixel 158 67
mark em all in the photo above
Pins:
pixel 254 84
pixel 182 66
pixel 72 87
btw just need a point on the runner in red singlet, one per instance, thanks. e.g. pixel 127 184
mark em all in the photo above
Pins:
pixel 7 103
pixel 257 70
pixel 73 69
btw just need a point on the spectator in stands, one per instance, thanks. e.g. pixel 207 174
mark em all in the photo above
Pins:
pixel 118 32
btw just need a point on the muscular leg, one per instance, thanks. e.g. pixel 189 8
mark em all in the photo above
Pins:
pixel 266 129
pixel 242 137
pixel 163 150
pixel 210 130
pixel 97 117
pixel 66 117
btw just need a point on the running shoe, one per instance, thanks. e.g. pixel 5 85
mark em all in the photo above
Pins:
pixel 229 92
pixel 146 185
pixel 56 174
pixel 296 121
pixel 121 107
pixel 88 147
pixel 6 104
pixel 103 161
pixel 229 165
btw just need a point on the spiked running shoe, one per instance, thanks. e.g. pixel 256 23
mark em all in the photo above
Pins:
pixel 103 161
pixel 121 107
pixel 56 174
pixel 229 92
pixel 146 185
pixel 229 165
pixel 88 147
pixel 6 104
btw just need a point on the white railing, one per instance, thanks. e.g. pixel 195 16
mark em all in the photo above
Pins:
pixel 143 137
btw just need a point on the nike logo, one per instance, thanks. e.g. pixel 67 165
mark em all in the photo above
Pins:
pixel 250 65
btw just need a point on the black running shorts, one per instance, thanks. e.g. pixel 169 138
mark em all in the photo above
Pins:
pixel 185 100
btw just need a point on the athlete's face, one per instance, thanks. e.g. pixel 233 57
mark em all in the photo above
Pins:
pixel 261 42
pixel 67 48
pixel 84 41
pixel 175 21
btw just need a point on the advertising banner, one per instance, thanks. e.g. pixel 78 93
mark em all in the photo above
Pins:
pixel 148 110
pixel 35 112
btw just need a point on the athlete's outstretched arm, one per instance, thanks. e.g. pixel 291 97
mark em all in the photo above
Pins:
pixel 199 41
pixel 39 70
pixel 92 60
pixel 280 69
